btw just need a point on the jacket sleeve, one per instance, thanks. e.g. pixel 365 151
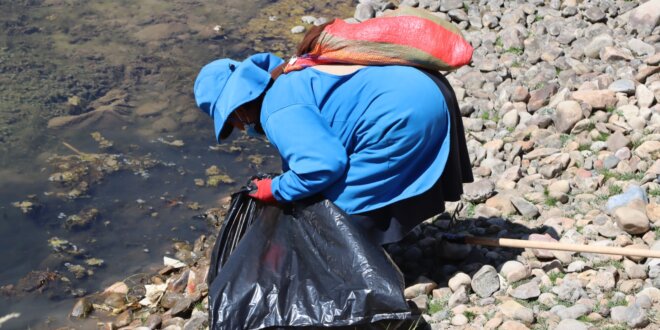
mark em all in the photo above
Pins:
pixel 314 155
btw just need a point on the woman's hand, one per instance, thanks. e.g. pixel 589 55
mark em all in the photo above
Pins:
pixel 263 191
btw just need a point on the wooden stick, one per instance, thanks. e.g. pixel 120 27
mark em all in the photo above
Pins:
pixel 522 244
pixel 80 153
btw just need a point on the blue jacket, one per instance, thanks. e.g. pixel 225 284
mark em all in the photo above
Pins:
pixel 363 140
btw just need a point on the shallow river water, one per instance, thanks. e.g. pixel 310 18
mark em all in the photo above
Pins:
pixel 101 143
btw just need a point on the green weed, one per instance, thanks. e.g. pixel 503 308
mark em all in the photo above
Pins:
pixel 515 50
pixel 555 275
pixel 437 305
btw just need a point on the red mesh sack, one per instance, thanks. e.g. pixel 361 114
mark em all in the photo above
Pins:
pixel 406 36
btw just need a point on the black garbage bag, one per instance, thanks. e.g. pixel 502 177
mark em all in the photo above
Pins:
pixel 303 265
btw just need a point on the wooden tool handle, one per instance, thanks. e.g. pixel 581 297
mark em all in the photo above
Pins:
pixel 522 244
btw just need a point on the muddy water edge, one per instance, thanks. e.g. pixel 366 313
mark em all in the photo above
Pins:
pixel 106 165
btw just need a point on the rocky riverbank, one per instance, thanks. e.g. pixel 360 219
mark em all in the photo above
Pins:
pixel 561 107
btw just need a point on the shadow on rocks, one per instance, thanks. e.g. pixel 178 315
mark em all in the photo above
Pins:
pixel 427 252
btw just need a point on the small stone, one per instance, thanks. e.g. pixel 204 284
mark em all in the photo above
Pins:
pixel 182 307
pixel 569 290
pixel 633 194
pixel 644 18
pixel 634 270
pixel 512 325
pixel 198 320
pixel 653 212
pixel 458 280
pixel 612 54
pixel 528 290
pixel 364 11
pixel 479 191
pixel 597 99
pixel 153 321
pixel 525 208
pixel 599 42
pixel 486 281
pixel 421 302
pixel 570 324
pixel 573 312
pixel 514 271
pixel 298 29
pixel 459 297
pixel 632 315
pixel 567 115
pixel 515 311
pixel 626 86
pixel 547 299
pixel 617 141
pixel 648 150
pixel 82 308
pixel 459 320
pixel 644 96
pixel 423 287
pixel 632 220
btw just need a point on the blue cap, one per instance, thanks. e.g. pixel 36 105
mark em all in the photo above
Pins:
pixel 224 85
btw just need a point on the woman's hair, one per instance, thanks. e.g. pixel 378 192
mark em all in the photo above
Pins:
pixel 306 45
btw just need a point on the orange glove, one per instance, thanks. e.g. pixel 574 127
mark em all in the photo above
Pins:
pixel 263 191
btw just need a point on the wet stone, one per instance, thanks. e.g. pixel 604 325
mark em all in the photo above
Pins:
pixel 82 308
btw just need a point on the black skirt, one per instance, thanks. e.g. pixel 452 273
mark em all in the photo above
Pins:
pixel 392 222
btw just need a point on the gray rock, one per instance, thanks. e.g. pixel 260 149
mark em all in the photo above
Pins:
pixel 364 11
pixel 486 281
pixel 610 162
pixel 644 96
pixel 645 18
pixel 511 39
pixel 632 315
pixel 617 141
pixel 527 209
pixel 447 5
pixel 182 307
pixel 593 48
pixel 633 193
pixel 459 297
pixel 635 270
pixel 594 14
pixel 640 48
pixel 573 312
pixel 479 191
pixel 490 21
pixel 528 290
pixel 458 15
pixel 569 290
pixel 576 266
pixel 567 115
pixel 198 320
pixel 623 86
pixel 540 97
pixel 516 311
pixel 612 54
pixel 153 321
pixel 569 324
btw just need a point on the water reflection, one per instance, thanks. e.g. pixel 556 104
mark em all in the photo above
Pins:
pixel 96 113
